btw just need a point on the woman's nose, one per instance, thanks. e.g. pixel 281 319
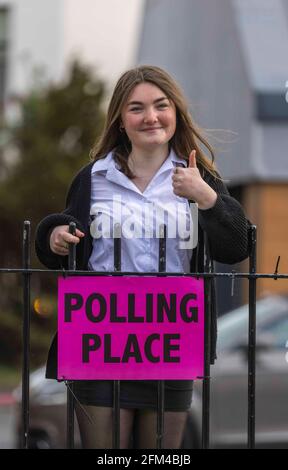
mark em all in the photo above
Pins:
pixel 150 115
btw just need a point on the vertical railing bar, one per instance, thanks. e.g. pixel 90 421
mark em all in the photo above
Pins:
pixel 252 339
pixel 116 383
pixel 116 414
pixel 207 352
pixel 26 260
pixel 160 413
pixel 70 389
pixel 161 383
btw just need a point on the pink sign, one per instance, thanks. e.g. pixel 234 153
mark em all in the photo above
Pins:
pixel 130 328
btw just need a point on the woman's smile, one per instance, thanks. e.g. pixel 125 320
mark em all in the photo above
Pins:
pixel 154 129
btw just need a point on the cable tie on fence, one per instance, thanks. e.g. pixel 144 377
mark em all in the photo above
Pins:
pixel 276 269
pixel 64 273
pixel 76 399
pixel 232 282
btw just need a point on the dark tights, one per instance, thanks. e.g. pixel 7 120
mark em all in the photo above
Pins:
pixel 95 424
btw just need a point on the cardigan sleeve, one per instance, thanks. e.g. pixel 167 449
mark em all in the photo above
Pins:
pixel 45 227
pixel 226 225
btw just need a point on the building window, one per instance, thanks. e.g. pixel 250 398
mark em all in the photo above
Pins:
pixel 3 53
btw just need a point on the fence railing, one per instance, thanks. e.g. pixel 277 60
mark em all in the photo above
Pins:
pixel 26 271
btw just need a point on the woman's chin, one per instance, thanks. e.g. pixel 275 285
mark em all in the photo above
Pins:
pixel 152 143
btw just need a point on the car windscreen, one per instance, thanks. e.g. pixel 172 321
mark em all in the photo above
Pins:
pixel 233 327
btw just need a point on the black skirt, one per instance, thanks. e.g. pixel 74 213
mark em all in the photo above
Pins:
pixel 138 394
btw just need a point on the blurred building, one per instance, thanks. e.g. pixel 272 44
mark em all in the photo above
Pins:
pixel 230 56
pixel 39 38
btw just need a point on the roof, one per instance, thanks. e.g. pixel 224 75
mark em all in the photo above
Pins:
pixel 230 57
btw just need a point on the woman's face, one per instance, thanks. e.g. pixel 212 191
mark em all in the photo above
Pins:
pixel 149 118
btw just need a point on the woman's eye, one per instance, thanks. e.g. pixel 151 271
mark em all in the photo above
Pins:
pixel 160 106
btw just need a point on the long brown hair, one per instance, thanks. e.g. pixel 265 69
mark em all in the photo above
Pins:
pixel 186 138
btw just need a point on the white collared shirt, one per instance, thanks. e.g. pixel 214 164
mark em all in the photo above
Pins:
pixel 116 199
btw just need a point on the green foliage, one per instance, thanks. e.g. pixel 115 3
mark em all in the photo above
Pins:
pixel 52 141
pixel 58 128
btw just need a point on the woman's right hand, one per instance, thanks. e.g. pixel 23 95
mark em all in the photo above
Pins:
pixel 60 239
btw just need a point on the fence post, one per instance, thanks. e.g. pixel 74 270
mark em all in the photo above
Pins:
pixel 161 383
pixel 207 351
pixel 252 338
pixel 70 388
pixel 116 383
pixel 26 261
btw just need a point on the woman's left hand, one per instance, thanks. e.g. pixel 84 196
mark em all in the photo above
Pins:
pixel 188 183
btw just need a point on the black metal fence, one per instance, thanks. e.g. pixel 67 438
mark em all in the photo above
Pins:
pixel 252 277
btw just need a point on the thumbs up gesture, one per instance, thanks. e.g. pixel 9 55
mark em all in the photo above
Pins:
pixel 188 183
pixel 192 160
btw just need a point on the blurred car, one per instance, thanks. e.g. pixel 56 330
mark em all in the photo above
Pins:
pixel 229 382
pixel 229 388
pixel 47 418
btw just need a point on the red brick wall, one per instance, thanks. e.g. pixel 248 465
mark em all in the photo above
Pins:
pixel 266 205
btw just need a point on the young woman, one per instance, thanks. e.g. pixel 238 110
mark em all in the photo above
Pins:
pixel 150 152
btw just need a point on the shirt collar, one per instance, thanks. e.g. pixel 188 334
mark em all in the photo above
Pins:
pixel 172 161
pixel 177 161
pixel 103 163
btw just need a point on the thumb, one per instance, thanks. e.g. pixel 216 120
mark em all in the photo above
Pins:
pixel 79 233
pixel 192 159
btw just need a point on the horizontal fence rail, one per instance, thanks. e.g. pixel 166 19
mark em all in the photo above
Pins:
pixel 252 276
pixel 77 272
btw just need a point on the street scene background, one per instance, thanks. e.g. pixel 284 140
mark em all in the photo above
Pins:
pixel 59 61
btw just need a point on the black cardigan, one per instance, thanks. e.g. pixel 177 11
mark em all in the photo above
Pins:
pixel 223 228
